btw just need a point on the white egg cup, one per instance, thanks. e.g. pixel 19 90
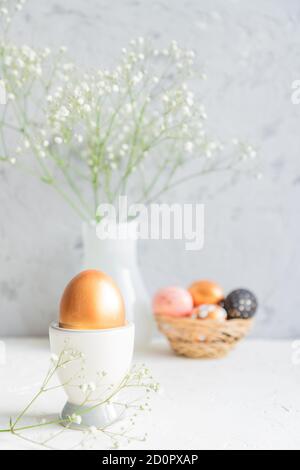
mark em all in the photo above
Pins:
pixel 107 351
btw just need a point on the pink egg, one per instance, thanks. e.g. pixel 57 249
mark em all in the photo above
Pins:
pixel 174 301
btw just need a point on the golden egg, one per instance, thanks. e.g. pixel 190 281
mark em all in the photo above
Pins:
pixel 206 292
pixel 91 301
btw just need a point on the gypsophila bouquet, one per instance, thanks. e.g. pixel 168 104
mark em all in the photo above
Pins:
pixel 94 135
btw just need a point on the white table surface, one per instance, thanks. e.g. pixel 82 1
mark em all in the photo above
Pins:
pixel 250 400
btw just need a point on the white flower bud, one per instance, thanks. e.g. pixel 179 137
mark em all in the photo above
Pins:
pixel 92 386
pixel 87 108
pixel 84 387
pixel 58 140
pixel 76 419
pixel 54 358
pixel 93 430
pixel 189 147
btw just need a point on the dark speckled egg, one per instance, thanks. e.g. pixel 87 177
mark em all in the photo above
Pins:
pixel 240 304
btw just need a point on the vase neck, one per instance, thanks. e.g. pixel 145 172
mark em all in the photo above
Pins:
pixel 95 248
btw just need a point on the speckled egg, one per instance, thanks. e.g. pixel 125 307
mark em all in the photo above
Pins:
pixel 210 312
pixel 241 303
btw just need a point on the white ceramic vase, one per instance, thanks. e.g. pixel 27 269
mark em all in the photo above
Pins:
pixel 109 351
pixel 118 259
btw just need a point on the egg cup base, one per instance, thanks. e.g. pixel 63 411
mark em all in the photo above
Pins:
pixel 100 417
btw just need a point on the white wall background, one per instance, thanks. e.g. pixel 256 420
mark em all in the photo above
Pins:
pixel 251 53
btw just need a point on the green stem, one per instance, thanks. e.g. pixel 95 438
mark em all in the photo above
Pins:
pixel 70 202
pixel 20 416
pixel 71 184
pixel 170 185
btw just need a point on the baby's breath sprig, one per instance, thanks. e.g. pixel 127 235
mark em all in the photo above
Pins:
pixel 8 10
pixel 131 396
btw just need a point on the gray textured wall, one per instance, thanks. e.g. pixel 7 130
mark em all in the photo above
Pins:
pixel 250 50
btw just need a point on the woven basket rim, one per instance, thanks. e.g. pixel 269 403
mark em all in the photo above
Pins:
pixel 208 321
pixel 202 338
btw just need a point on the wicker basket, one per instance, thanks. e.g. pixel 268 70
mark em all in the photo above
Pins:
pixel 207 339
